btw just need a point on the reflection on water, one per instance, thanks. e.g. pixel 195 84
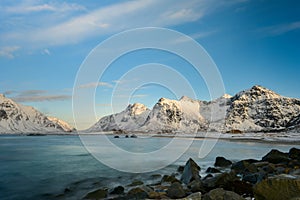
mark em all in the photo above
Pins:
pixel 32 166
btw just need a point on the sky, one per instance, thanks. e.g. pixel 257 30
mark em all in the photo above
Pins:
pixel 44 43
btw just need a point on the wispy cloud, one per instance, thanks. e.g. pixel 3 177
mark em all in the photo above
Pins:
pixel 101 21
pixel 26 7
pixel 195 36
pixel 36 96
pixel 41 98
pixel 96 84
pixel 8 51
pixel 280 29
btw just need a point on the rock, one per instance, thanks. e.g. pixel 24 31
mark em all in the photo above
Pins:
pixel 240 166
pixel 254 177
pixel 155 176
pixel 234 131
pixel 294 153
pixel 242 188
pixel 157 195
pixel 196 186
pixel 137 193
pixel 117 190
pixel 194 196
pixel 126 136
pixel 275 156
pixel 133 136
pixel 180 169
pixel 190 172
pixel 169 179
pixel 176 191
pixel 277 188
pixel 224 180
pixel 116 136
pixel 222 162
pixel 97 194
pixel 136 183
pixel 221 194
pixel 212 170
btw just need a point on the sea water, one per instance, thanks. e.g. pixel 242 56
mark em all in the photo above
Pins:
pixel 42 167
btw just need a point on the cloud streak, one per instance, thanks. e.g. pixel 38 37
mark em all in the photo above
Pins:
pixel 41 98
pixel 8 51
pixel 96 84
pixel 280 29
pixel 102 21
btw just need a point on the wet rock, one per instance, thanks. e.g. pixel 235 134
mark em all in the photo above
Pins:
pixel 254 177
pixel 97 194
pixel 180 169
pixel 169 179
pixel 157 195
pixel 190 172
pixel 221 194
pixel 196 186
pixel 133 136
pixel 155 176
pixel 224 180
pixel 194 196
pixel 212 170
pixel 241 166
pixel 117 190
pixel 242 188
pixel 136 183
pixel 137 193
pixel 277 188
pixel 275 156
pixel 294 153
pixel 222 162
pixel 116 136
pixel 176 191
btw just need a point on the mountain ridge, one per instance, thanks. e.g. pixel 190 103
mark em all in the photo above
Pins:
pixel 257 109
pixel 18 118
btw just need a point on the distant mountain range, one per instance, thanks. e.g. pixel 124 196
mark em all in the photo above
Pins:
pixel 254 110
pixel 17 118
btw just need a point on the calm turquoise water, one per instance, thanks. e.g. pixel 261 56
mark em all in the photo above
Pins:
pixel 42 167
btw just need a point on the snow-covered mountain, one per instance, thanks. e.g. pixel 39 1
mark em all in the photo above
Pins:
pixel 260 109
pixel 132 118
pixel 254 110
pixel 17 118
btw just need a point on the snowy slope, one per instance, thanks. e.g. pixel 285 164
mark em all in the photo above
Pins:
pixel 257 109
pixel 17 118
pixel 260 109
pixel 62 124
pixel 172 115
pixel 132 118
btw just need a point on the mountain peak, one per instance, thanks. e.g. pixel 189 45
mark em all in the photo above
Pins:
pixel 136 108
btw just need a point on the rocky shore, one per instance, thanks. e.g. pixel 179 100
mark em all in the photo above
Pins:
pixel 275 177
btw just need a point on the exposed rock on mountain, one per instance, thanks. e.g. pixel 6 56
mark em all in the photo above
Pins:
pixel 254 110
pixel 17 118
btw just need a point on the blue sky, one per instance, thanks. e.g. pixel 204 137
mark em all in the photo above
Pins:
pixel 43 43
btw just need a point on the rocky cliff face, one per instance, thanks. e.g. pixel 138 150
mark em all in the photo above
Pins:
pixel 17 118
pixel 260 109
pixel 253 110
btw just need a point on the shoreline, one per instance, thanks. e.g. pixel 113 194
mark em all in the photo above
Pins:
pixel 284 138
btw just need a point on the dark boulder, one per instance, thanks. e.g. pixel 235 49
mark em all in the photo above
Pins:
pixel 212 170
pixel 176 191
pixel 97 194
pixel 221 194
pixel 137 193
pixel 117 190
pixel 136 183
pixel 240 166
pixel 180 169
pixel 294 153
pixel 254 177
pixel 190 172
pixel 277 188
pixel 275 156
pixel 196 186
pixel 222 162
pixel 169 179
pixel 224 180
